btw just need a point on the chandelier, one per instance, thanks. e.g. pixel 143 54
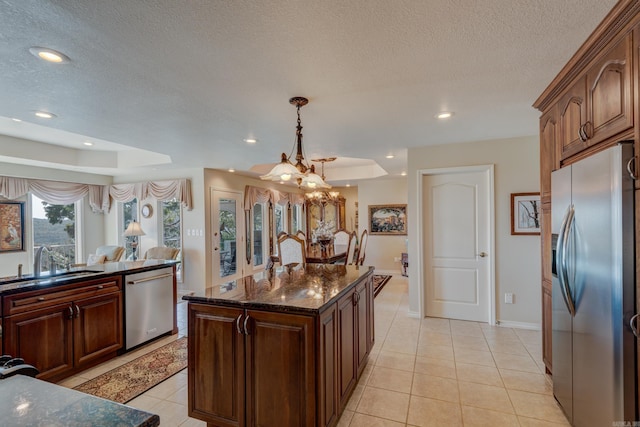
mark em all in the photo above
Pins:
pixel 304 174
pixel 323 196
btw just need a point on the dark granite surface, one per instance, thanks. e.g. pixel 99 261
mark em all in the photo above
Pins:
pixel 307 290
pixel 78 274
pixel 26 401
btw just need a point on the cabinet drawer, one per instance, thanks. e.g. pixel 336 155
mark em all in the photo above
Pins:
pixel 41 298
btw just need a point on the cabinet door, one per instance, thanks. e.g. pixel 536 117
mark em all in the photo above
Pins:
pixel 328 367
pixel 362 326
pixel 572 115
pixel 43 338
pixel 280 369
pixel 609 93
pixel 97 327
pixel 346 346
pixel 371 331
pixel 216 382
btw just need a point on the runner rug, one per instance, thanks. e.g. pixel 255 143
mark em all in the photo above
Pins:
pixel 134 378
pixel 379 281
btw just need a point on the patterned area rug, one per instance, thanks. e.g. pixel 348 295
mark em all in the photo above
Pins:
pixel 134 378
pixel 379 280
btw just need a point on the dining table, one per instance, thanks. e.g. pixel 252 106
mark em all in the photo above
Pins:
pixel 315 253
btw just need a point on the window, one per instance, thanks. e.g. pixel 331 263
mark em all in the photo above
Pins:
pixel 258 241
pixel 54 226
pixel 172 228
pixel 296 219
pixel 129 213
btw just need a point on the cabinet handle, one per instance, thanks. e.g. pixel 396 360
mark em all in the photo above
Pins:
pixel 246 331
pixel 41 299
pixel 633 325
pixel 100 286
pixel 70 312
pixel 238 323
pixel 582 134
pixel 631 172
pixel 77 310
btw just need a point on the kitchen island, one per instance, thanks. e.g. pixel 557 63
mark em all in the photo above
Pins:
pixel 63 324
pixel 283 347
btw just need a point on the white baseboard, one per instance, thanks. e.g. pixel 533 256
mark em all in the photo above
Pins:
pixel 413 314
pixel 519 325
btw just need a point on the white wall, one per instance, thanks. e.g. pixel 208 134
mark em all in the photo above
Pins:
pixel 517 165
pixel 382 251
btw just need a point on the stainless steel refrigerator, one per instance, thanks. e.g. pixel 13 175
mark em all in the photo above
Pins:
pixel 593 346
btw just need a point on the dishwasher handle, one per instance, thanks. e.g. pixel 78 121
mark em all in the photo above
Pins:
pixel 147 279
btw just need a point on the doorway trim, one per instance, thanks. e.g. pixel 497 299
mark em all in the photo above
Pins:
pixel 420 232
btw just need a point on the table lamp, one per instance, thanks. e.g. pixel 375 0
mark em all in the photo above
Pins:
pixel 134 230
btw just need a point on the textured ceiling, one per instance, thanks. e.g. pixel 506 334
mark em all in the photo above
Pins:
pixel 191 79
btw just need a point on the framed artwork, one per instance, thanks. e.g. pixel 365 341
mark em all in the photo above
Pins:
pixel 525 213
pixel 388 219
pixel 11 226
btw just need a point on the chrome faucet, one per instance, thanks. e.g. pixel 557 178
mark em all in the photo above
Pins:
pixel 37 259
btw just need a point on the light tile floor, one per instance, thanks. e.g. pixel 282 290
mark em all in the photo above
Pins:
pixel 429 372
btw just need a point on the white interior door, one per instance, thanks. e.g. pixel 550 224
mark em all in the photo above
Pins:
pixel 228 239
pixel 456 225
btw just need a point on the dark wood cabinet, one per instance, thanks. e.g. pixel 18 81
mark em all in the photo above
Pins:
pixel 572 117
pixel 278 367
pixel 609 92
pixel 591 105
pixel 64 331
pixel 259 365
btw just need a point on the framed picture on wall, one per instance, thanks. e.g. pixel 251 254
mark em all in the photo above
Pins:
pixel 388 219
pixel 525 213
pixel 11 226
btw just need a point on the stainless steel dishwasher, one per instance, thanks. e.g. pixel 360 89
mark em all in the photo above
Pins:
pixel 148 305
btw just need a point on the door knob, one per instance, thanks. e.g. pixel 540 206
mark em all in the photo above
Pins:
pixel 482 254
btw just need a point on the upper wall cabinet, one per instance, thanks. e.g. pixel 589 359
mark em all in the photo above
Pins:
pixel 599 104
pixel 609 93
pixel 548 144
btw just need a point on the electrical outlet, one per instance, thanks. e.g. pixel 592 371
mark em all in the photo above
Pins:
pixel 508 298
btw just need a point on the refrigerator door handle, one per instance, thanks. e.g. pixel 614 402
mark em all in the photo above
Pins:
pixel 564 273
pixel 632 323
pixel 631 172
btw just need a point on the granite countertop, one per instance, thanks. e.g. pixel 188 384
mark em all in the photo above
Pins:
pixel 308 290
pixel 26 401
pixel 83 273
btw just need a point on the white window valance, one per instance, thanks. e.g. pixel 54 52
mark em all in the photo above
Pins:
pixel 55 192
pixel 179 189
pixel 253 195
pixel 62 193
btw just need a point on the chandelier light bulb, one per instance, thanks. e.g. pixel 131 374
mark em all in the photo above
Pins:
pixel 285 177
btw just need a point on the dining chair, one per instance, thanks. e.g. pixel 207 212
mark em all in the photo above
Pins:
pixel 341 237
pixel 352 249
pixel 301 235
pixel 362 248
pixel 291 250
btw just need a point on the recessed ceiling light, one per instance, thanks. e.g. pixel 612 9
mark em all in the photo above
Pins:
pixel 232 170
pixel 250 140
pixel 16 120
pixel 403 173
pixel 389 156
pixel 49 55
pixel 88 143
pixel 348 185
pixel 45 115
pixel 444 115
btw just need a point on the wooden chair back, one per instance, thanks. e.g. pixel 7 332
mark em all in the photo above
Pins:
pixel 363 247
pixel 291 250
